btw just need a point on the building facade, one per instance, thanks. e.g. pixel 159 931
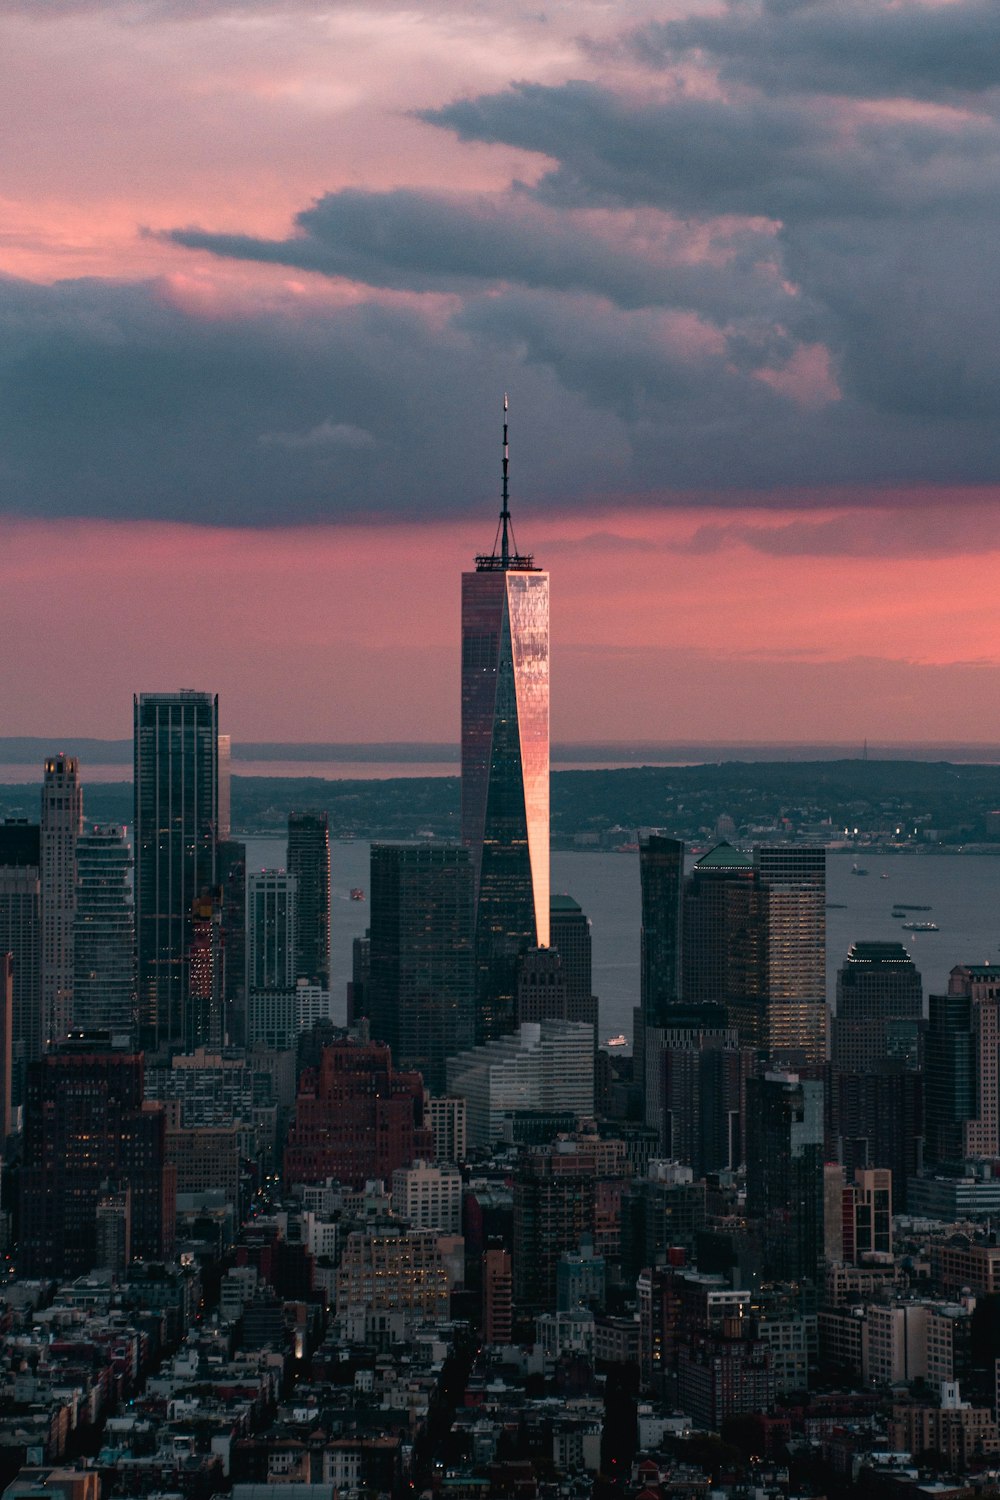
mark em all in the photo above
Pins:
pixel 176 789
pixel 309 862
pixel 61 826
pixel 505 764
pixel 104 995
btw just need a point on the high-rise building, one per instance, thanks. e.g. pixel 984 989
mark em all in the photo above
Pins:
pixel 206 972
pixel 6 1045
pixel 21 937
pixel 420 997
pixel 723 930
pixel 309 862
pixel 225 785
pixel 879 1012
pixel 541 986
pixel 88 1132
pixel 793 880
pixel 701 1089
pixel 272 924
pixel 877 1120
pixel 176 827
pixel 356 1118
pixel 505 763
pixel 785 1173
pixel 61 826
pixel 661 873
pixel 962 1106
pixel 569 935
pixel 232 874
pixel 104 933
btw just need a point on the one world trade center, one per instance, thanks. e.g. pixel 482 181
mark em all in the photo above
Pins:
pixel 505 763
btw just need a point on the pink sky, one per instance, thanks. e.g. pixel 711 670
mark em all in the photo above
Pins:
pixel 767 497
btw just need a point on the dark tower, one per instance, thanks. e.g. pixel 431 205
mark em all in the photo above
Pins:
pixel 176 822
pixel 421 992
pixel 505 763
pixel 309 862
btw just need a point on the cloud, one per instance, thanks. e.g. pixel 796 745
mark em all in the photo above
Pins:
pixel 326 434
pixel 419 241
pixel 866 49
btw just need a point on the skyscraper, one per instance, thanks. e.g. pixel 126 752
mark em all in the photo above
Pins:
pixel 421 992
pixel 879 1008
pixel 785 1173
pixel 87 1131
pixel 62 824
pixel 21 937
pixel 176 825
pixel 794 884
pixel 270 954
pixel 960 1079
pixel 661 876
pixel 309 862
pixel 103 933
pixel 505 763
pixel 569 934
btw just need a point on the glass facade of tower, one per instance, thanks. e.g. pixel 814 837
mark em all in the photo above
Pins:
pixel 104 933
pixel 176 825
pixel 505 772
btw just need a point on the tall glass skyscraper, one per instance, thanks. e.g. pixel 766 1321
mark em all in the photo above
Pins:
pixel 505 764
pixel 103 933
pixel 176 827
pixel 61 826
pixel 309 862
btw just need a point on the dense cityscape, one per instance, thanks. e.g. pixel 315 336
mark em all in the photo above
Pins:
pixel 439 1235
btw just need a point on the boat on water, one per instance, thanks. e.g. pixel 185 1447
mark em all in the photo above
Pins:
pixel 357 894
pixel 836 906
pixel 858 870
pixel 883 876
pixel 899 914
pixel 921 927
pixel 902 906
pixel 621 1040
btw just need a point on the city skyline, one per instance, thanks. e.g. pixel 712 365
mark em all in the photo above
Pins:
pixel 257 318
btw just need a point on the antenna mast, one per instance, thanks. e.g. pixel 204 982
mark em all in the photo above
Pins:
pixel 505 493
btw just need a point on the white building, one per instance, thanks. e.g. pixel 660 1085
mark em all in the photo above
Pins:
pixel 428 1197
pixel 545 1065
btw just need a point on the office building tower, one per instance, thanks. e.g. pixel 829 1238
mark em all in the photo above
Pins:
pixel 231 857
pixel 962 1108
pixel 563 1192
pixel 88 1132
pixel 420 995
pixel 879 1011
pixel 701 1089
pixel 6 1047
pixel 569 935
pixel 272 915
pixel 21 937
pixel 541 986
pixel 356 1118
pixel 661 873
pixel 785 1173
pixel 723 930
pixel 877 1120
pixel 360 980
pixel 309 862
pixel 61 826
pixel 546 1067
pixel 447 1115
pixel 225 786
pixel 505 763
pixel 104 933
pixel 662 1213
pixel 206 972
pixel 794 1021
pixel 175 828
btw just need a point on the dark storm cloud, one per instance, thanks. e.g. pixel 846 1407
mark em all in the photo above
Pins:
pixel 415 241
pixel 788 160
pixel 115 401
pixel 862 49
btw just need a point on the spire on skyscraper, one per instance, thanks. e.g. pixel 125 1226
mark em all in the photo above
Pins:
pixel 507 557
